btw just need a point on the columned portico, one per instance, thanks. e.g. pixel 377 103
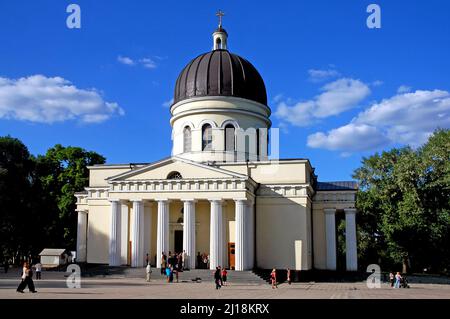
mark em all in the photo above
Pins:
pixel 216 234
pixel 350 240
pixel 137 251
pixel 330 231
pixel 189 232
pixel 82 236
pixel 162 243
pixel 114 236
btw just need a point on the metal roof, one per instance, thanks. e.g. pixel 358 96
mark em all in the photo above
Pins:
pixel 220 73
pixel 337 186
pixel 52 252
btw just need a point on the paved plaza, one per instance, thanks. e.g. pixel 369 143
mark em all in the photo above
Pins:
pixel 53 286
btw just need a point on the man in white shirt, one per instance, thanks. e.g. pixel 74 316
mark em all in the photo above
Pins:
pixel 38 268
pixel 148 270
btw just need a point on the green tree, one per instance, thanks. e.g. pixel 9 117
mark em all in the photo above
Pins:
pixel 63 172
pixel 17 216
pixel 37 203
pixel 403 202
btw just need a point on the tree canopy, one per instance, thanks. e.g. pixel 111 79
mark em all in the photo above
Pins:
pixel 404 206
pixel 37 203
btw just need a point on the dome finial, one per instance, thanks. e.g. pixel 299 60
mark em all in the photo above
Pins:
pixel 220 14
pixel 220 35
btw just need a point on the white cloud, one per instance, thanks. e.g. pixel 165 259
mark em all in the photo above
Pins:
pixel 351 137
pixel 408 118
pixel 41 99
pixel 148 63
pixel 340 96
pixel 337 97
pixel 316 75
pixel 168 103
pixel 278 98
pixel 403 89
pixel 377 83
pixel 125 60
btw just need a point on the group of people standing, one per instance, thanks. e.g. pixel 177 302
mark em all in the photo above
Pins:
pixel 397 280
pixel 202 261
pixel 172 264
pixel 220 277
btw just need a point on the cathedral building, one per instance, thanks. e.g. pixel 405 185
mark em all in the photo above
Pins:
pixel 219 194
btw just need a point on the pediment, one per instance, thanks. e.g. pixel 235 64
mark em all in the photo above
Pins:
pixel 162 169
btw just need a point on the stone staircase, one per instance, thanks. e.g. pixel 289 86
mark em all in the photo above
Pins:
pixel 195 275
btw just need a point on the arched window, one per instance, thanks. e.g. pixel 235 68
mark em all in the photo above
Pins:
pixel 206 137
pixel 187 140
pixel 230 139
pixel 218 43
pixel 174 175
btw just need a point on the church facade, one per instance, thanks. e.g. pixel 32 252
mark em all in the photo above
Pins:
pixel 219 194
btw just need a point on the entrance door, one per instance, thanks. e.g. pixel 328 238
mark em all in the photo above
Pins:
pixel 178 241
pixel 231 255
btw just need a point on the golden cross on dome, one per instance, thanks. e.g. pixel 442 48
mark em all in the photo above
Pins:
pixel 220 14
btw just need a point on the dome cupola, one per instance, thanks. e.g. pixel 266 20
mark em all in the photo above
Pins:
pixel 215 92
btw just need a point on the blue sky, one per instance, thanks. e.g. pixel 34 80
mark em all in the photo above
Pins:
pixel 338 90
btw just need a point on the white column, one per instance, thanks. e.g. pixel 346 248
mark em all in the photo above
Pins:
pixel 114 235
pixel 82 236
pixel 148 233
pixel 124 229
pixel 330 234
pixel 240 234
pixel 137 248
pixel 189 233
pixel 162 242
pixel 216 235
pixel 350 240
pixel 251 235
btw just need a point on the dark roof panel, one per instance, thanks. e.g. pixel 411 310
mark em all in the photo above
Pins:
pixel 337 186
pixel 220 73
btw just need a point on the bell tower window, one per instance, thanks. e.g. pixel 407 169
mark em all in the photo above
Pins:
pixel 187 139
pixel 207 137
pixel 230 138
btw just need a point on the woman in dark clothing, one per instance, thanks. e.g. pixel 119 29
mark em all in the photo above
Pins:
pixel 27 279
pixel 217 277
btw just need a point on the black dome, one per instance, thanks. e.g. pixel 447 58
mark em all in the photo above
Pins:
pixel 220 73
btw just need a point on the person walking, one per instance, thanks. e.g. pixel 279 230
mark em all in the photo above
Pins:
pixel 289 276
pixel 27 279
pixel 224 276
pixel 273 278
pixel 146 259
pixel 38 267
pixel 217 278
pixel 398 279
pixel 391 279
pixel 148 271
pixel 168 274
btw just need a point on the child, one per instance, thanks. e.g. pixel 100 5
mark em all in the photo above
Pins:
pixel 224 276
